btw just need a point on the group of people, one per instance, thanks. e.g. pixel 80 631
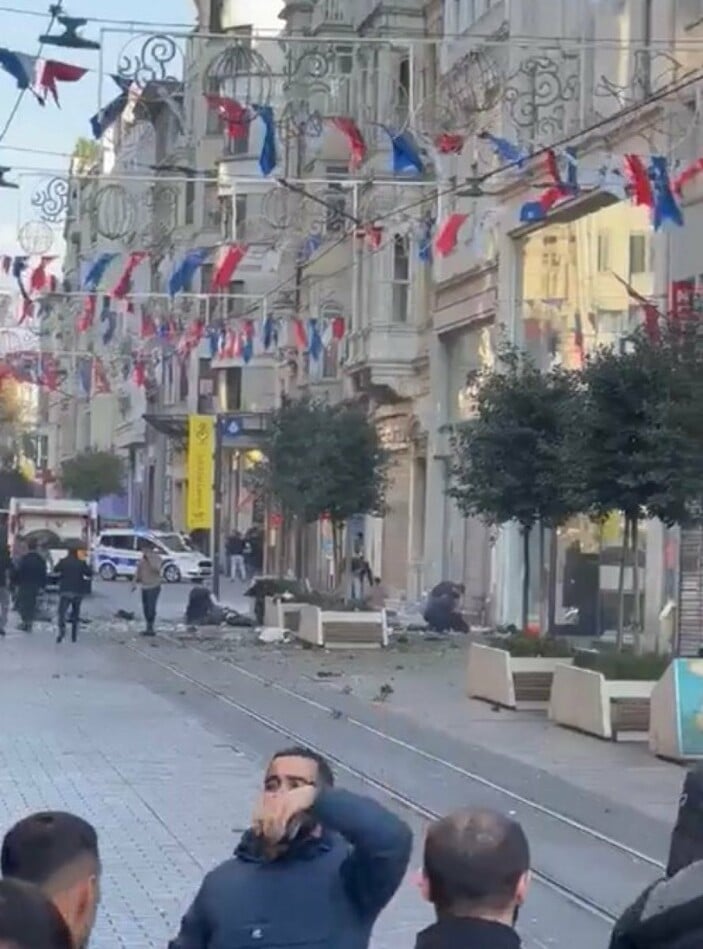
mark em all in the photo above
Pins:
pixel 245 554
pixel 318 865
pixel 24 574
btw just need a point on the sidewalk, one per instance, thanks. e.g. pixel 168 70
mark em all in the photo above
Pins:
pixel 163 793
pixel 426 681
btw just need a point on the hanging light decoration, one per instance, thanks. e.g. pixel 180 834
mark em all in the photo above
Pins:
pixel 70 38
pixel 6 184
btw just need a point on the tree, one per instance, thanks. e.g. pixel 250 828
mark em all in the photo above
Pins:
pixel 513 462
pixel 13 483
pixel 634 449
pixel 324 460
pixel 93 475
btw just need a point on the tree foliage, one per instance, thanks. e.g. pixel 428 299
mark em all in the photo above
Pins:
pixel 93 475
pixel 324 460
pixel 13 484
pixel 513 461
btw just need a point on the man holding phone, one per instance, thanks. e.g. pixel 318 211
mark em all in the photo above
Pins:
pixel 316 867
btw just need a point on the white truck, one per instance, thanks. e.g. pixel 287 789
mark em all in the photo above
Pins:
pixel 57 525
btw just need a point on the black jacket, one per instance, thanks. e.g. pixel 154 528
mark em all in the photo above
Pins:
pixel 668 915
pixel 325 892
pixel 6 568
pixel 73 573
pixel 454 933
pixel 31 570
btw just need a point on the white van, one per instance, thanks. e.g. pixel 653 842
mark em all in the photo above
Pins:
pixel 117 553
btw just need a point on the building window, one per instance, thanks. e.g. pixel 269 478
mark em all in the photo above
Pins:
pixel 603 251
pixel 190 201
pixel 232 389
pixel 206 272
pixel 235 306
pixel 213 211
pixel 240 215
pixel 403 89
pixel 401 279
pixel 639 262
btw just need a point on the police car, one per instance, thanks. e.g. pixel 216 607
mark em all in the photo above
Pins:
pixel 117 553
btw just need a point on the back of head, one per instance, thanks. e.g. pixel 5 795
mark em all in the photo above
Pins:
pixel 32 545
pixel 687 838
pixel 28 920
pixel 48 847
pixel 476 864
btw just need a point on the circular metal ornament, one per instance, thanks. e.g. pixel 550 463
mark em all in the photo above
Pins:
pixel 51 200
pixel 152 63
pixel 35 237
pixel 115 212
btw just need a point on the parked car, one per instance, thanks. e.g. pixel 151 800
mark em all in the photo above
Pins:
pixel 117 553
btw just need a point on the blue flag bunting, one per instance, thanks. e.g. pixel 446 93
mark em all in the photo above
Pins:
pixel 185 270
pixel 20 66
pixel 84 373
pixel 665 206
pixel 505 150
pixel 109 318
pixel 96 271
pixel 110 113
pixel 425 243
pixel 268 158
pixel 406 156
pixel 314 340
pixel 269 332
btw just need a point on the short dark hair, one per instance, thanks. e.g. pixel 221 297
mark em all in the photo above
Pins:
pixel 324 770
pixel 29 920
pixel 42 845
pixel 474 860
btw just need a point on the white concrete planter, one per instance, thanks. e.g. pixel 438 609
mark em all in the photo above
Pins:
pixel 343 630
pixel 588 702
pixel 495 676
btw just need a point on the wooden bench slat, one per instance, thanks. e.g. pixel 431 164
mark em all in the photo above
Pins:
pixel 629 715
pixel 532 686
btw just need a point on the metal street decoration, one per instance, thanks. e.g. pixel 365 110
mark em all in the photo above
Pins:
pixel 51 200
pixel 114 212
pixel 35 237
pixel 150 58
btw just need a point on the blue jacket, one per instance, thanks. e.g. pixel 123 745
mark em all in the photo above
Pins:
pixel 326 892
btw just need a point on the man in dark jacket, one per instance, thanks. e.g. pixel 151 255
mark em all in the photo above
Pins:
pixel 476 874
pixel 6 572
pixel 28 920
pixel 73 574
pixel 442 608
pixel 316 868
pixel 30 579
pixel 669 914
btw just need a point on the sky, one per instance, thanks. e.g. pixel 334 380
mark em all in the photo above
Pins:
pixel 49 128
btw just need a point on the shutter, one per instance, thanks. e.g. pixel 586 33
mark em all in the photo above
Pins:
pixel 690 634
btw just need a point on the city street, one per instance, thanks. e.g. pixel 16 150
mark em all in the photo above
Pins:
pixel 161 744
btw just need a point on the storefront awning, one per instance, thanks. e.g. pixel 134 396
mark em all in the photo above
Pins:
pixel 173 426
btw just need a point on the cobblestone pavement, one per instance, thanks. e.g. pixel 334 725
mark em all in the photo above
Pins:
pixel 169 795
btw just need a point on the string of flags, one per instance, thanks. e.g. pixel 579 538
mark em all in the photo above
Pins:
pixel 39 76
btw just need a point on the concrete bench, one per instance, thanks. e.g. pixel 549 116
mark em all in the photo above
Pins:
pixel 282 614
pixel 341 629
pixel 493 675
pixel 586 701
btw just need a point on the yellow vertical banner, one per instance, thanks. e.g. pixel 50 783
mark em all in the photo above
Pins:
pixel 201 470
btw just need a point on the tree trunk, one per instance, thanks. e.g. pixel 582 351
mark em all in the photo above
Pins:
pixel 299 549
pixel 552 583
pixel 337 534
pixel 526 577
pixel 621 585
pixel 636 609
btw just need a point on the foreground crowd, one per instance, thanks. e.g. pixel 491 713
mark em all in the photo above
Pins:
pixel 319 864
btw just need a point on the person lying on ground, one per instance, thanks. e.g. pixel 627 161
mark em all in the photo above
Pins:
pixel 316 867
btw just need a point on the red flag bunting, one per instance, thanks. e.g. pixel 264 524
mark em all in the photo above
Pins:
pixel 352 133
pixel 337 327
pixel 228 264
pixel 638 177
pixel 688 174
pixel 300 334
pixel 39 279
pixel 50 72
pixel 448 233
pixel 148 326
pixel 87 317
pixel 124 284
pixel 449 144
pixel 235 116
pixel 101 384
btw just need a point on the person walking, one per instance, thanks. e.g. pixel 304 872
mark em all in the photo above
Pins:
pixel 73 574
pixel 58 852
pixel 476 874
pixel 6 572
pixel 30 580
pixel 316 867
pixel 235 552
pixel 28 920
pixel 148 577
